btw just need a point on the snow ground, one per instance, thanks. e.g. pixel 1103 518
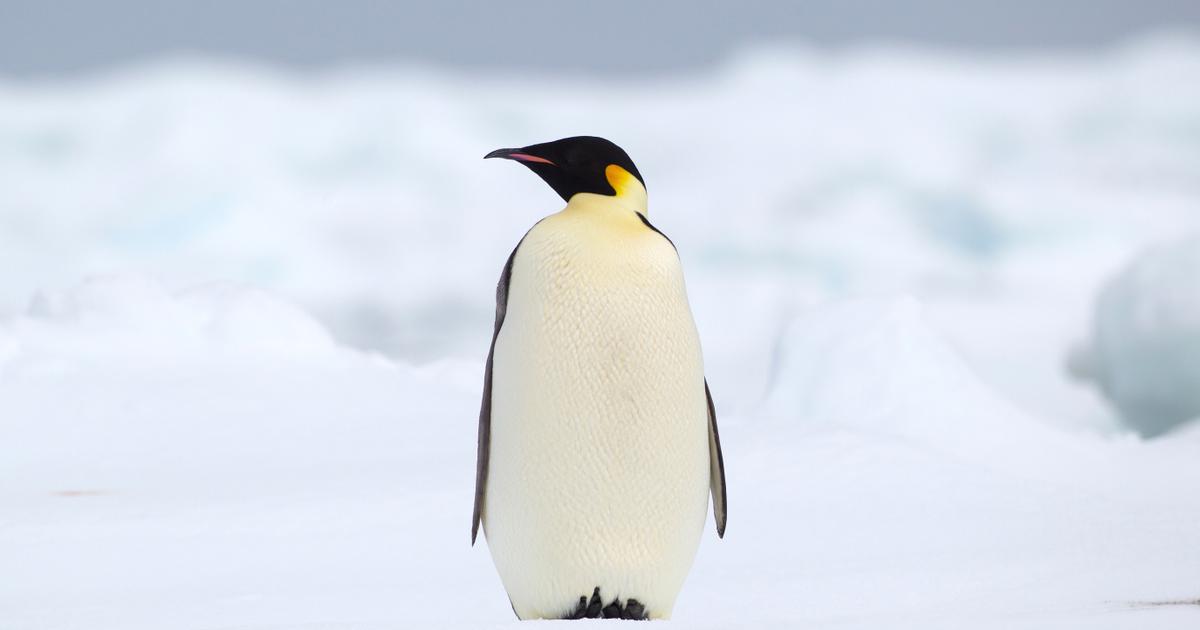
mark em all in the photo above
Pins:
pixel 179 451
pixel 209 476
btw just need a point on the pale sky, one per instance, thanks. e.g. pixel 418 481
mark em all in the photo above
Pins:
pixel 55 37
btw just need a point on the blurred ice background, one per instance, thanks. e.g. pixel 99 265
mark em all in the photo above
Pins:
pixel 245 244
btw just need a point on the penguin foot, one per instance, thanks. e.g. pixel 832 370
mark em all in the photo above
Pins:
pixel 595 609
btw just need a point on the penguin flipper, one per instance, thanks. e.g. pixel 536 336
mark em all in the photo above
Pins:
pixel 485 407
pixel 716 466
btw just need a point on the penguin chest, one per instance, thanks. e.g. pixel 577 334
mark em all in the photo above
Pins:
pixel 598 474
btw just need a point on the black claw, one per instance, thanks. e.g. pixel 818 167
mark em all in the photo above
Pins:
pixel 578 614
pixel 594 606
pixel 594 609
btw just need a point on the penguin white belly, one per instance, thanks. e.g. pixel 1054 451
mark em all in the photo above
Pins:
pixel 599 467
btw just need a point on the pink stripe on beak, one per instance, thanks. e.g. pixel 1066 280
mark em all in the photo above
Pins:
pixel 525 157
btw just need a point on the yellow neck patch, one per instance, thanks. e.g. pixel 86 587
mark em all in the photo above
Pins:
pixel 620 179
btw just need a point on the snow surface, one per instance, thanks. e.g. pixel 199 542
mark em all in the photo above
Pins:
pixel 1145 348
pixel 260 411
pixel 183 469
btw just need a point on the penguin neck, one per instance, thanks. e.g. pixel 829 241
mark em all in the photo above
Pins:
pixel 631 197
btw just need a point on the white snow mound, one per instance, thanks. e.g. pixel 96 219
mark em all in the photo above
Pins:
pixel 1144 352
pixel 878 367
pixel 135 317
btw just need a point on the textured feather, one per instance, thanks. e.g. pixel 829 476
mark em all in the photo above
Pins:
pixel 716 458
pixel 597 429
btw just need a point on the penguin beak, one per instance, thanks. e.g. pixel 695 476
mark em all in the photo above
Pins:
pixel 519 155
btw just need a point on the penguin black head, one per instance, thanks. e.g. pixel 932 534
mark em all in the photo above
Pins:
pixel 581 164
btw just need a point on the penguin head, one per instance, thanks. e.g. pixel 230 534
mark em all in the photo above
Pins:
pixel 581 164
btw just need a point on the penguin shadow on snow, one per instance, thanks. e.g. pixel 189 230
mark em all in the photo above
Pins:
pixel 1141 605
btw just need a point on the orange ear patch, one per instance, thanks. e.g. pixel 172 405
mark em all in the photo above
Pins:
pixel 618 178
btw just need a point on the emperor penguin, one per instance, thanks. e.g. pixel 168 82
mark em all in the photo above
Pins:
pixel 598 443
